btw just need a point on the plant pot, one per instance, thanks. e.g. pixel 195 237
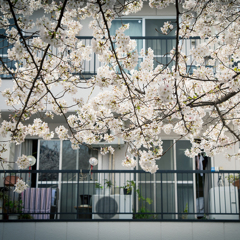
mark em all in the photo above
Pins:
pixel 116 190
pixel 236 183
pixel 107 191
pixel 85 199
pixel 126 191
pixel 99 191
pixel 10 180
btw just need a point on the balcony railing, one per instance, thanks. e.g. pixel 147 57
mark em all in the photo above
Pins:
pixel 134 195
pixel 161 46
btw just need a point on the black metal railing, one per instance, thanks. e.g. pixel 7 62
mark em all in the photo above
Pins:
pixel 161 46
pixel 98 195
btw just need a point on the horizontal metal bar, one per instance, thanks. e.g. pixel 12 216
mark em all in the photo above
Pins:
pixel 118 171
pixel 132 37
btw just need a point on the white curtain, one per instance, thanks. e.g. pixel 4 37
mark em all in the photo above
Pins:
pixel 27 147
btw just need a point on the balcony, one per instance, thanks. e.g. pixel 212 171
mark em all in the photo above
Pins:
pixel 126 195
pixel 161 46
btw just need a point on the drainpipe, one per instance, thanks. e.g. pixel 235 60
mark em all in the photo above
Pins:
pixel 109 165
pixel 110 162
pixel 113 168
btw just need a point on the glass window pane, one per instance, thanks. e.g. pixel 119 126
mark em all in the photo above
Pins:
pixel 135 27
pixel 69 161
pixel 4 46
pixel 166 162
pixel 69 156
pixel 85 154
pixel 163 46
pixel 49 159
pixel 183 162
pixel 155 24
pixel 76 159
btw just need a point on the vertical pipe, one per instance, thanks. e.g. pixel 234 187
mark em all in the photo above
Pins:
pixel 229 188
pixel 66 198
pixel 214 193
pixel 77 194
pixel 175 178
pixel 167 190
pixel 110 163
pixel 219 193
pixel 187 192
pixel 113 177
pixel 161 198
pixel 60 174
pixel 194 189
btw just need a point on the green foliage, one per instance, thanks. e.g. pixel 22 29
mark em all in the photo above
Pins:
pixel 129 186
pixel 184 216
pixel 25 216
pixel 13 206
pixel 186 208
pixel 142 212
pixel 232 178
pixel 98 185
pixel 108 183
pixel 3 196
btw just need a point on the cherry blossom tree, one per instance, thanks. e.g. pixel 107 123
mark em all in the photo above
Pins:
pixel 135 102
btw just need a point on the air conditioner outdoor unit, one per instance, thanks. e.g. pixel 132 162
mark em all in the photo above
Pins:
pixel 224 200
pixel 109 206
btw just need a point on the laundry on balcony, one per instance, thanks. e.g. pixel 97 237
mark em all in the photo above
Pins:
pixel 38 201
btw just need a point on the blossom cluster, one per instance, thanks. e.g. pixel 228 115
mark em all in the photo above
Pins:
pixel 129 162
pixel 167 26
pixel 20 186
pixel 105 150
pixel 23 162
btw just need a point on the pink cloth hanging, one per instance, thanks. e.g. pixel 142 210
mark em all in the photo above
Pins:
pixel 37 200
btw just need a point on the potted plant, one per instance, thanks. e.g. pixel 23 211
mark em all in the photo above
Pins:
pixel 14 208
pixel 108 184
pixel 10 180
pixel 99 188
pixel 3 199
pixel 127 189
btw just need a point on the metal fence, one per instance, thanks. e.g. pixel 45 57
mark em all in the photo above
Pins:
pixel 161 46
pixel 100 195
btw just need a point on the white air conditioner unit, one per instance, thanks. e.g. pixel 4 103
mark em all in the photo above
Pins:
pixel 223 200
pixel 109 206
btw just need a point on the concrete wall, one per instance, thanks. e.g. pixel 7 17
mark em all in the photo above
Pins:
pixel 119 230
